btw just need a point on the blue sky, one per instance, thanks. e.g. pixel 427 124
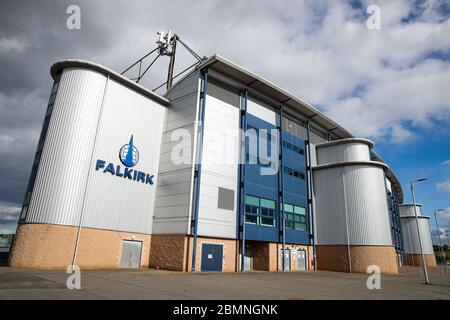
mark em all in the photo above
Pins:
pixel 389 85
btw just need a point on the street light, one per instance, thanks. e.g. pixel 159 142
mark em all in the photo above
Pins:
pixel 441 248
pixel 425 271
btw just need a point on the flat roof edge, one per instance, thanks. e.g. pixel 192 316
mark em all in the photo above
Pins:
pixel 345 141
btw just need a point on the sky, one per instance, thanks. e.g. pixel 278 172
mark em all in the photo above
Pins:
pixel 390 85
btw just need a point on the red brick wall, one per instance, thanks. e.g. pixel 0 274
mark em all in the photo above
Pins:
pixel 336 258
pixel 47 246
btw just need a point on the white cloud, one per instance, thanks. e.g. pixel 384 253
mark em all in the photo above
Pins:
pixel 7 231
pixel 9 215
pixel 446 162
pixel 7 44
pixel 444 186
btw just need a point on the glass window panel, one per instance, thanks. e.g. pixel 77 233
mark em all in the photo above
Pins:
pixel 52 98
pixel 268 203
pixel 23 214
pixel 27 197
pixel 252 200
pixel 299 210
pixel 251 219
pixel 288 207
pixel 55 87
pixel 267 221
pixel 49 110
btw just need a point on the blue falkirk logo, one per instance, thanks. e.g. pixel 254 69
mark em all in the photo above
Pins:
pixel 129 156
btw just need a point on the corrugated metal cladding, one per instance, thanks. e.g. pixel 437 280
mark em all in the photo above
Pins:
pixel 87 106
pixel 407 210
pixel 219 162
pixel 411 238
pixel 350 198
pixel 351 151
pixel 60 184
pixel 175 181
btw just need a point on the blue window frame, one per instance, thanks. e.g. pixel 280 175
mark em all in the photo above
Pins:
pixel 295 217
pixel 260 211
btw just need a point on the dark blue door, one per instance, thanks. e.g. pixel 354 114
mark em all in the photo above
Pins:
pixel 212 255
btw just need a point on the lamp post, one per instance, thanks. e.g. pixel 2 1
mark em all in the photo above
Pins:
pixel 441 248
pixel 425 271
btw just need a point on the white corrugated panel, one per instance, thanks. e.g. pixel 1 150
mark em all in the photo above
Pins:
pixel 262 111
pixel 367 206
pixel 61 180
pixel 411 237
pixel 351 202
pixel 407 210
pixel 174 191
pixel 330 206
pixel 351 151
pixel 117 203
pixel 92 119
pixel 219 164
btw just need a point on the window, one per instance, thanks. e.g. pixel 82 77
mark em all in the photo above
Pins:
pixel 294 173
pixel 267 212
pixel 295 217
pixel 251 209
pixel 225 199
pixel 260 211
pixel 40 147
pixel 293 147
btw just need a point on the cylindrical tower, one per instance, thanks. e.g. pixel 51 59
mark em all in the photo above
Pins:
pixel 85 201
pixel 411 236
pixel 353 224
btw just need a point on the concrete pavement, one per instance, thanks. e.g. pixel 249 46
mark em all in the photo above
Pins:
pixel 152 284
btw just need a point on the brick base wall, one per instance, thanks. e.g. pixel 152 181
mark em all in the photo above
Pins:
pixel 266 256
pixel 47 246
pixel 416 260
pixel 174 252
pixel 168 252
pixel 335 258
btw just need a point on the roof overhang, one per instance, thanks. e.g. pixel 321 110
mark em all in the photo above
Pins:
pixel 251 81
pixel 246 79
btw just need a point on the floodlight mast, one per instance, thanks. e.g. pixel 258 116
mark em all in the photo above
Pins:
pixel 167 46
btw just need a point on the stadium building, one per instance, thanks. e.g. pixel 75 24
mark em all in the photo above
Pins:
pixel 124 177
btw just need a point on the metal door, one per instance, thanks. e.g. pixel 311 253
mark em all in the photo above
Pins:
pixel 212 257
pixel 248 259
pixel 301 260
pixel 287 261
pixel 131 254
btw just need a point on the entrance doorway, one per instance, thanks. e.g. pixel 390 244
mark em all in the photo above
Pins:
pixel 287 261
pixel 131 254
pixel 212 257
